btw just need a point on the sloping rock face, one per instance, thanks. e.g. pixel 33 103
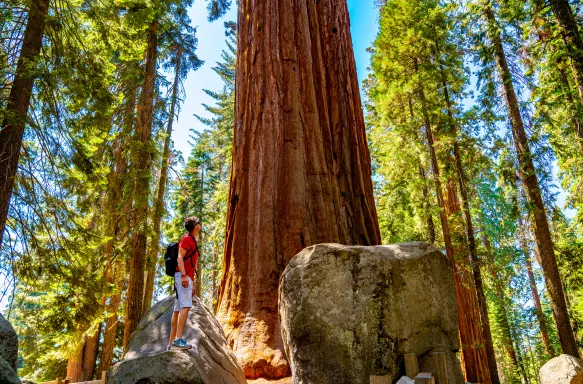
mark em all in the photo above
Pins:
pixel 8 343
pixel 8 352
pixel 563 369
pixel 349 312
pixel 146 360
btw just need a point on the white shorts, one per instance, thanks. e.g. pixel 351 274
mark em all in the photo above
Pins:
pixel 184 294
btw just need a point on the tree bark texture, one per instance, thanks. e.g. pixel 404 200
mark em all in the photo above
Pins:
pixel 16 111
pixel 473 355
pixel 301 170
pixel 159 209
pixel 572 37
pixel 81 363
pixel 143 163
pixel 529 179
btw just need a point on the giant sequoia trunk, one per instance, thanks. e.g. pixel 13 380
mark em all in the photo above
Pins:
pixel 16 111
pixel 529 179
pixel 473 355
pixel 301 167
pixel 142 163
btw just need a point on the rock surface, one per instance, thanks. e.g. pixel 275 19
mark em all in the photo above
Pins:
pixel 8 343
pixel 563 369
pixel 349 312
pixel 7 374
pixel 146 360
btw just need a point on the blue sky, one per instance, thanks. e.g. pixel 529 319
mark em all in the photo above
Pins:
pixel 211 41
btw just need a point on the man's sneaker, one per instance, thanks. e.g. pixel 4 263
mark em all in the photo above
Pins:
pixel 168 348
pixel 181 344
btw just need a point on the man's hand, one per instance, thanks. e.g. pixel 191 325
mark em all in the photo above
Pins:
pixel 185 281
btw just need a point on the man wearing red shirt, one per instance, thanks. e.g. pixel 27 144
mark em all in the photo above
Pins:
pixel 183 281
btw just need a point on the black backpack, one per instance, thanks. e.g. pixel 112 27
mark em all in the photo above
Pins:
pixel 171 257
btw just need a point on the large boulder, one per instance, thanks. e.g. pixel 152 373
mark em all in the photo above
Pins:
pixel 8 343
pixel 7 374
pixel 146 360
pixel 349 312
pixel 563 369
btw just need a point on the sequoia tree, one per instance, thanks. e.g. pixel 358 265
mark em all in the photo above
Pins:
pixel 301 171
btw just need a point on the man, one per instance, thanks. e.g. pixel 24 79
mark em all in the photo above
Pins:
pixel 183 281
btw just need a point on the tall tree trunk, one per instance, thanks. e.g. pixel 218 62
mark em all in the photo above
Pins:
pixel 572 37
pixel 200 236
pixel 301 170
pixel 535 296
pixel 572 106
pixel 530 182
pixel 115 271
pixel 507 339
pixel 473 354
pixel 16 111
pixel 159 205
pixel 215 275
pixel 90 355
pixel 427 206
pixel 473 250
pixel 75 365
pixel 142 162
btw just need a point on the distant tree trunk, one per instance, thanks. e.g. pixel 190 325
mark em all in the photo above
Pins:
pixel 215 276
pixel 427 207
pixel 142 162
pixel 572 37
pixel 16 111
pixel 507 339
pixel 530 182
pixel 473 354
pixel 90 355
pixel 115 271
pixel 535 296
pixel 75 365
pixel 159 205
pixel 301 170
pixel 199 266
pixel 474 260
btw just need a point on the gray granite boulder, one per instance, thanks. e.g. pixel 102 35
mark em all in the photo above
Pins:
pixel 349 312
pixel 563 369
pixel 146 360
pixel 8 343
pixel 7 374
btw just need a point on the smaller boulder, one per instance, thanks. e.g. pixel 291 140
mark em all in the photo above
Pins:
pixel 8 343
pixel 7 374
pixel 146 360
pixel 563 369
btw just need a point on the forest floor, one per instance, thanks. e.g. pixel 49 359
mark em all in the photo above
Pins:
pixel 287 380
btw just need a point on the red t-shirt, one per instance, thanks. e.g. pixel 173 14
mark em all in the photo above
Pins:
pixel 188 243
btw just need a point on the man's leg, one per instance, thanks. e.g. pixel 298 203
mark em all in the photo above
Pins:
pixel 181 321
pixel 173 324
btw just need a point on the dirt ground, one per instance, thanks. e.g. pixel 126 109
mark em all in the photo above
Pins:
pixel 287 380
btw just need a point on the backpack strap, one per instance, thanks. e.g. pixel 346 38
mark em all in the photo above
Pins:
pixel 192 254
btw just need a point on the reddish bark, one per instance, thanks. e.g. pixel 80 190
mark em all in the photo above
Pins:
pixel 16 111
pixel 529 179
pixel 142 164
pixel 473 355
pixel 301 170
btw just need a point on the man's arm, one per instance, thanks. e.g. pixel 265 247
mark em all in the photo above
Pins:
pixel 181 254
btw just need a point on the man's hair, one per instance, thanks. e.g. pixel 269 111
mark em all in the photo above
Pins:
pixel 190 223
